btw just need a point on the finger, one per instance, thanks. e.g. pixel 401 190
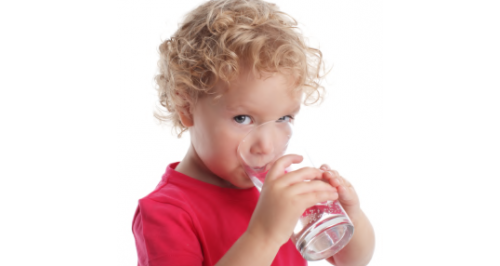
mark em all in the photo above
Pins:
pixel 308 187
pixel 334 178
pixel 343 181
pixel 328 177
pixel 310 199
pixel 279 167
pixel 324 167
pixel 338 179
pixel 335 173
pixel 347 196
pixel 302 174
pixel 346 182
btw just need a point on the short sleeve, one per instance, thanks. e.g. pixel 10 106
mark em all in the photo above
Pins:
pixel 165 235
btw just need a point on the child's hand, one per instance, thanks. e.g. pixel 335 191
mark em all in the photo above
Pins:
pixel 284 197
pixel 348 197
pixel 360 248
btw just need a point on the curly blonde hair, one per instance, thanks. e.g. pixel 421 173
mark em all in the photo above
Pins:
pixel 218 37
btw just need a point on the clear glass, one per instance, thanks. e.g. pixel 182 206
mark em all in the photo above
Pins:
pixel 324 229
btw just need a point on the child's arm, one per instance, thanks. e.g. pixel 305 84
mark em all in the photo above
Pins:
pixel 360 249
pixel 283 199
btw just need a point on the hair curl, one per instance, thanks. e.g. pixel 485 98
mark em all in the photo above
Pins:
pixel 218 37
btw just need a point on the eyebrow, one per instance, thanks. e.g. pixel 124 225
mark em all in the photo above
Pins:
pixel 236 107
pixel 245 108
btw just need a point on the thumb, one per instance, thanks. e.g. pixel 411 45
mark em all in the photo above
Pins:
pixel 279 167
pixel 347 196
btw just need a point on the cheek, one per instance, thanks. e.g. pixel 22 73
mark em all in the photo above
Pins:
pixel 217 143
pixel 221 157
pixel 225 143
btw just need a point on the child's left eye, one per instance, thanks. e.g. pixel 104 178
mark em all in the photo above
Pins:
pixel 285 118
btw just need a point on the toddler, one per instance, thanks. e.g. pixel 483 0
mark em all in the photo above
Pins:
pixel 231 66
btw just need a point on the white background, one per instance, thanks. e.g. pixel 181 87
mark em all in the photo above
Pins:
pixel 411 119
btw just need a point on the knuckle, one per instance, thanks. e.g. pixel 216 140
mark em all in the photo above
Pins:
pixel 332 173
pixel 324 185
pixel 320 195
pixel 279 162
pixel 308 169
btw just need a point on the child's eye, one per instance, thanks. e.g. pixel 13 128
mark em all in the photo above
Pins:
pixel 242 119
pixel 286 118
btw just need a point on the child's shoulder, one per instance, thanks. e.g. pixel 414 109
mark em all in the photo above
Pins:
pixel 170 190
pixel 168 203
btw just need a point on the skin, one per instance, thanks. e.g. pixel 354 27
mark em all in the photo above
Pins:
pixel 359 250
pixel 216 128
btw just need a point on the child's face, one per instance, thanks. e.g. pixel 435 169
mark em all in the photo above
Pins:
pixel 220 124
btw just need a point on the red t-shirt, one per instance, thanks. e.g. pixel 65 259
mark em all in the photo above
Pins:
pixel 185 221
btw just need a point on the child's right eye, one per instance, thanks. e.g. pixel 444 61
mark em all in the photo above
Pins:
pixel 242 119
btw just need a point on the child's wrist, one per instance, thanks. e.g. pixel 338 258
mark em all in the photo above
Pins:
pixel 262 240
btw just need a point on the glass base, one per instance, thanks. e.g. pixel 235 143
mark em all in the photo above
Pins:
pixel 325 239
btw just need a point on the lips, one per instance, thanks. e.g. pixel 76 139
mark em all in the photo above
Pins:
pixel 260 169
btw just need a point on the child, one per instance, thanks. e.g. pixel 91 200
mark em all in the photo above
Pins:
pixel 233 65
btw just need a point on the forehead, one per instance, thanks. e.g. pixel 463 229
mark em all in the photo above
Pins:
pixel 268 94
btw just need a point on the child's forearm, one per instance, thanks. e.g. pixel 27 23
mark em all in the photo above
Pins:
pixel 250 250
pixel 359 250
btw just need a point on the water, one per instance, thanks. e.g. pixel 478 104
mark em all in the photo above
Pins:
pixel 322 230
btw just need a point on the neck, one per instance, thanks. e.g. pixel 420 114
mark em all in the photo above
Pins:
pixel 194 167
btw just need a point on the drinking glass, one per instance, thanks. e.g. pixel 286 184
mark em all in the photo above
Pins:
pixel 323 229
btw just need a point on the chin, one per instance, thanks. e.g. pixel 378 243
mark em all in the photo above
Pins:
pixel 240 183
pixel 238 179
pixel 246 185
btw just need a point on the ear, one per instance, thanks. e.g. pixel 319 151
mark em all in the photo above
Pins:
pixel 185 116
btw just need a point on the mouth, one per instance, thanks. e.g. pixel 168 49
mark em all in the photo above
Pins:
pixel 260 169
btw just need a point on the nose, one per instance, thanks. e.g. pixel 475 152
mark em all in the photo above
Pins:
pixel 263 145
